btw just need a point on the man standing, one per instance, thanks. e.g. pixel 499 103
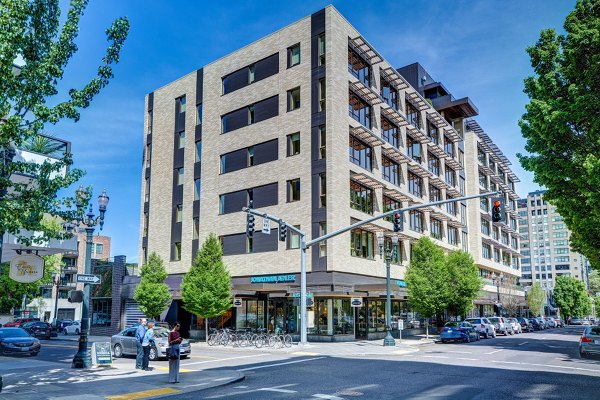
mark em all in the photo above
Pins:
pixel 146 344
pixel 139 338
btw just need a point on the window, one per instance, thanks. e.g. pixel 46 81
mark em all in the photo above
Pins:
pixel 148 155
pixel 252 73
pixel 197 187
pixel 145 224
pixel 497 255
pixel 147 193
pixel 322 94
pixel 486 251
pixel 293 55
pixel 359 110
pixel 435 194
pixel 99 248
pixel 448 146
pixel 390 204
pixel 461 157
pixel 485 227
pixel 453 236
pixel 413 149
pixel 251 114
pixel 321 47
pixel 181 140
pixel 294 242
pixel 416 220
pixel 362 243
pixel 199 114
pixel 390 132
pixel 465 241
pixel 389 94
pixel 359 67
pixel 250 156
pixel 177 253
pixel 181 104
pixel 322 190
pixel 323 244
pixel 461 185
pixel 196 228
pixel 481 157
pixel 413 115
pixel 451 207
pixel 361 197
pixel 322 142
pixel 150 122
pixel 450 176
pixel 483 182
pixel 179 176
pixel 360 153
pixel 434 164
pixel 432 133
pixel 436 229
pixel 293 99
pixel 415 184
pixel 293 144
pixel 198 157
pixel 293 190
pixel 390 171
pixel 178 213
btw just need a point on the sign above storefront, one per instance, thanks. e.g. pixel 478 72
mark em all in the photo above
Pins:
pixel 400 283
pixel 237 302
pixel 273 279
pixel 26 268
pixel 356 302
pixel 308 295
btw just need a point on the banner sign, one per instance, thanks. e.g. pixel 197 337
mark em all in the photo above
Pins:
pixel 101 353
pixel 27 268
pixel 273 279
pixel 356 302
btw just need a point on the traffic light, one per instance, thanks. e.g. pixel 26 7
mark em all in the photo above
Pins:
pixel 397 222
pixel 76 296
pixel 497 209
pixel 249 225
pixel 282 231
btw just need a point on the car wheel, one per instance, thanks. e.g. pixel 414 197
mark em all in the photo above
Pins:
pixel 35 353
pixel 118 351
pixel 77 331
pixel 153 356
pixel 477 338
pixel 486 335
pixel 184 357
pixel 65 332
pixel 468 338
pixel 444 341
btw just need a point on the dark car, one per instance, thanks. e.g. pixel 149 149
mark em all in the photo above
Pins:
pixel 17 323
pixel 458 331
pixel 535 324
pixel 38 329
pixel 18 341
pixel 526 325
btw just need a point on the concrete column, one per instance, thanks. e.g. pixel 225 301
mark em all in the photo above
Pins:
pixel 330 316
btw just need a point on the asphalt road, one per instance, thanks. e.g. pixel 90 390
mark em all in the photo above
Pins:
pixel 544 365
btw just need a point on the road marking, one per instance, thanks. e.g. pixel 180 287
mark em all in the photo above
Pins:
pixel 305 353
pixel 327 396
pixel 436 357
pixel 143 394
pixel 459 352
pixel 180 370
pixel 240 387
pixel 278 364
pixel 494 352
pixel 521 344
pixel 59 345
pixel 546 365
pixel 225 359
pixel 467 359
pixel 278 390
pixel 222 379
pixel 203 357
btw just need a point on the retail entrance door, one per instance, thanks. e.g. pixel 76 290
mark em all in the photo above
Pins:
pixel 360 321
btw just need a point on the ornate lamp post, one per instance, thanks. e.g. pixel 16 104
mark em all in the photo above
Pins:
pixel 57 279
pixel 389 254
pixel 83 358
pixel 497 279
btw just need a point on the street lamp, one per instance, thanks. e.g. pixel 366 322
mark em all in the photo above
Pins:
pixel 497 279
pixel 57 279
pixel 83 358
pixel 389 254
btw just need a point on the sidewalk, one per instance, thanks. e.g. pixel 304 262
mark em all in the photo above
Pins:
pixel 45 381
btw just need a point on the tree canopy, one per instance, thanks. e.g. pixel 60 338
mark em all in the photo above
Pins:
pixel 31 35
pixel 464 282
pixel 571 297
pixel 535 299
pixel 152 294
pixel 562 123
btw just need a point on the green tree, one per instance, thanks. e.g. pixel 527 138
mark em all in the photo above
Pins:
pixel 562 123
pixel 594 282
pixel 152 294
pixel 426 279
pixel 31 33
pixel 571 297
pixel 206 288
pixel 464 282
pixel 536 299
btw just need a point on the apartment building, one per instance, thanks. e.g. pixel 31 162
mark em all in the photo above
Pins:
pixel 313 125
pixel 545 245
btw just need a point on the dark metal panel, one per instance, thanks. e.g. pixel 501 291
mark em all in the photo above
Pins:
pixel 195 245
pixel 196 209
pixel 266 67
pixel 262 243
pixel 145 242
pixel 180 122
pixel 146 207
pixel 317 26
pixel 198 133
pixel 233 202
pixel 234 161
pixel 149 138
pixel 197 170
pixel 265 152
pixel 317 263
pixel 178 194
pixel 265 196
pixel 235 120
pixel 235 80
pixel 178 158
pixel 199 85
pixel 148 172
pixel 267 108
pixel 234 244
pixel 150 101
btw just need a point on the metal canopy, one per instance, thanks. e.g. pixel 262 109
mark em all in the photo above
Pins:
pixel 365 92
pixel 418 169
pixel 366 180
pixel 395 154
pixel 393 115
pixel 417 100
pixel 394 78
pixel 365 50
pixel 417 134
pixel 451 133
pixel 436 118
pixel 439 214
pixel 366 135
pixel 453 163
pixel 436 150
pixel 395 194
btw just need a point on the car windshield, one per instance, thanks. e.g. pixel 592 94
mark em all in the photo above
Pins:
pixel 8 333
pixel 28 324
pixel 474 321
pixel 451 324
pixel 160 332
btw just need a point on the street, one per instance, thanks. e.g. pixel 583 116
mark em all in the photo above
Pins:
pixel 544 364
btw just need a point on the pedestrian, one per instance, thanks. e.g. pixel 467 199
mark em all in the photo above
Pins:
pixel 173 353
pixel 139 338
pixel 146 343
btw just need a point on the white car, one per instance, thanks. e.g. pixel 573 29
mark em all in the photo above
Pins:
pixel 72 329
pixel 551 323
pixel 516 325
pixel 483 326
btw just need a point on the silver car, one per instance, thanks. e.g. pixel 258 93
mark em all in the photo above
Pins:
pixel 483 326
pixel 123 344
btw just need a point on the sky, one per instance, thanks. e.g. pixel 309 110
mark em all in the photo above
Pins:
pixel 476 48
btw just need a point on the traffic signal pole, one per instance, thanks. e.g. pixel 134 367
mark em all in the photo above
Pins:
pixel 306 244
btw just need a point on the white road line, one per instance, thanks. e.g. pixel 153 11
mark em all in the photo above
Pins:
pixel 436 357
pixel 197 384
pixel 240 387
pixel 327 396
pixel 495 351
pixel 459 352
pixel 277 390
pixel 547 365
pixel 521 344
pixel 223 359
pixel 467 359
pixel 278 364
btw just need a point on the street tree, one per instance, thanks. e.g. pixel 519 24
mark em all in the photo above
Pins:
pixel 510 298
pixel 562 123
pixel 31 36
pixel 152 294
pixel 464 282
pixel 571 297
pixel 536 299
pixel 594 279
pixel 426 279
pixel 206 288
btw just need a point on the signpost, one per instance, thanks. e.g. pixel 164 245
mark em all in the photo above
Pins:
pixel 101 354
pixel 266 227
pixel 89 279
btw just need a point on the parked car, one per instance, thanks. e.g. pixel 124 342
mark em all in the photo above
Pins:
pixel 38 329
pixel 61 324
pixel 559 322
pixel 543 323
pixel 526 325
pixel 589 343
pixel 575 321
pixel 18 341
pixel 550 322
pixel 19 321
pixel 536 324
pixel 458 331
pixel 73 329
pixel 586 322
pixel 123 343
pixel 515 325
pixel 415 323
pixel 483 326
pixel 502 325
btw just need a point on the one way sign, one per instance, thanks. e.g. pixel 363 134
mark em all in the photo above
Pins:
pixel 89 278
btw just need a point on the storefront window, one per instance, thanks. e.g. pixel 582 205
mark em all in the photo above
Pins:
pixel 250 315
pixel 376 316
pixel 343 317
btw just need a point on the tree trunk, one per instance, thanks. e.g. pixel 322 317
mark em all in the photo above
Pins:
pixel 206 329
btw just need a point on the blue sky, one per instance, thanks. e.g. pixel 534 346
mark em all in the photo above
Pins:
pixel 476 48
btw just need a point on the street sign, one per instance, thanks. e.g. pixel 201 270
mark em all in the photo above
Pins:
pixel 237 302
pixel 356 302
pixel 101 354
pixel 308 295
pixel 266 226
pixel 89 278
